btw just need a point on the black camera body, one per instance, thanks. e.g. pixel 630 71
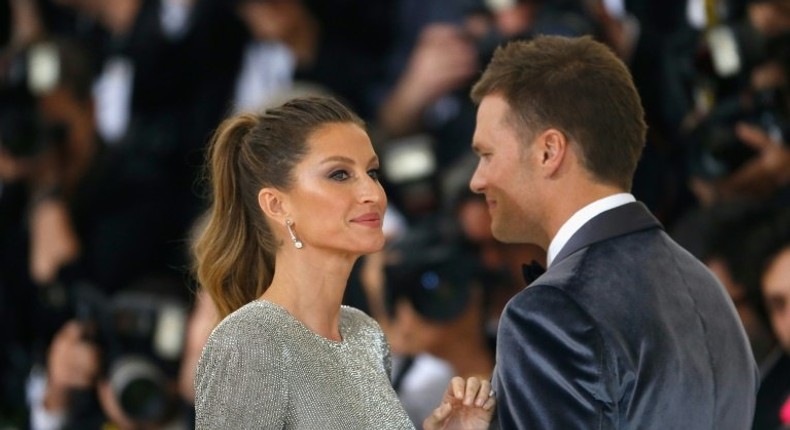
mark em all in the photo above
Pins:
pixel 716 151
pixel 437 274
pixel 724 62
pixel 438 282
pixel 141 334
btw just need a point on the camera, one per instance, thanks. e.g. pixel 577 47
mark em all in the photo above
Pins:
pixel 141 333
pixel 716 151
pixel 438 283
pixel 436 275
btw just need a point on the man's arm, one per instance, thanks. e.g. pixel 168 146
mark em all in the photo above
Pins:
pixel 550 365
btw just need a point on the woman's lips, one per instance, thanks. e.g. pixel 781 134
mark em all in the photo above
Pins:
pixel 369 219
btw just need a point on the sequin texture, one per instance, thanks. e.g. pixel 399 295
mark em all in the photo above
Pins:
pixel 263 369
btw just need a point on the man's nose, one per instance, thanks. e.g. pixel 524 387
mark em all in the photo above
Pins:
pixel 477 183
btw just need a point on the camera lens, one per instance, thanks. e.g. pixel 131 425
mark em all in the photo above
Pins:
pixel 140 388
pixel 143 399
pixel 437 281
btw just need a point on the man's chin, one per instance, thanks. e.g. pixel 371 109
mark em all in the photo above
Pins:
pixel 500 234
pixel 508 235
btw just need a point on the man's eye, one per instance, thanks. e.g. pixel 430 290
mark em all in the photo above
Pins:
pixel 339 175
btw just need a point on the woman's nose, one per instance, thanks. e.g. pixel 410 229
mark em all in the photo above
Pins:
pixel 372 191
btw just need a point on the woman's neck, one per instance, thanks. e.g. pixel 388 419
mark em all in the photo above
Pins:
pixel 312 293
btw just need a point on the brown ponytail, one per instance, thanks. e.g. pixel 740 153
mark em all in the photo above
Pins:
pixel 234 253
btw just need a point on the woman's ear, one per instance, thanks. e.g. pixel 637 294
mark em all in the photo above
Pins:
pixel 272 203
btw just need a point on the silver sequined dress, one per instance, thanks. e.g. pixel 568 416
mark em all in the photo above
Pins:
pixel 263 369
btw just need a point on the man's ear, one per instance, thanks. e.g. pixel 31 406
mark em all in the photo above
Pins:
pixel 553 147
pixel 272 203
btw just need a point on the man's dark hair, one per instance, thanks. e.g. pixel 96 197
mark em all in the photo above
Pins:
pixel 578 86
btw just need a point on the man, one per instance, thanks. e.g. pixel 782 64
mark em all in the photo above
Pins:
pixel 626 329
pixel 87 218
pixel 771 245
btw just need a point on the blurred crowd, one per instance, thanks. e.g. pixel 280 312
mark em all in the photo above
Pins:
pixel 106 107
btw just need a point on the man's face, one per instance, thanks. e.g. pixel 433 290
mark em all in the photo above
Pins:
pixel 776 290
pixel 505 174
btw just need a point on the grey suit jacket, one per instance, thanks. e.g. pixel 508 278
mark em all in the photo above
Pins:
pixel 626 330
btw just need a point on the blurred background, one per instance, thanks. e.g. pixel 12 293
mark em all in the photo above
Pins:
pixel 106 107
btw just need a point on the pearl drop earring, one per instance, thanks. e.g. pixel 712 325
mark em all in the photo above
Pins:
pixel 297 243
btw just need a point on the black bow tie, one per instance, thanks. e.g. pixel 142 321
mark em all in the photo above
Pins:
pixel 531 271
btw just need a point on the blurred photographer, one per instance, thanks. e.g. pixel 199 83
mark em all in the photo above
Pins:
pixel 770 247
pixel 740 149
pixel 117 363
pixel 744 158
pixel 36 234
pixel 88 218
pixel 738 131
pixel 81 213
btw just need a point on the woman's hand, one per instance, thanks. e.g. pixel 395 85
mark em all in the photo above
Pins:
pixel 468 404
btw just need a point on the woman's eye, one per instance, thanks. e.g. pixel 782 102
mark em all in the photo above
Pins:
pixel 374 173
pixel 339 175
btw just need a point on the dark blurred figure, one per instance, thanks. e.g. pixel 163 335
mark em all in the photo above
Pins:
pixel 77 212
pixel 740 149
pixel 641 40
pixel 337 44
pixel 82 199
pixel 725 101
pixel 18 26
pixel 117 363
pixel 771 245
pixel 163 80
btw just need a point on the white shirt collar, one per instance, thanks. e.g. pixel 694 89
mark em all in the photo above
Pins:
pixel 578 219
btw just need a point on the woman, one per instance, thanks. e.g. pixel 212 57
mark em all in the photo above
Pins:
pixel 296 202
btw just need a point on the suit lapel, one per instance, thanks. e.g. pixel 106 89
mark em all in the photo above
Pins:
pixel 628 218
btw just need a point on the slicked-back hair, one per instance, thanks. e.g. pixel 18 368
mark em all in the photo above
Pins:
pixel 234 252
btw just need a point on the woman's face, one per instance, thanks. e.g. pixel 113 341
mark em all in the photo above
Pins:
pixel 337 201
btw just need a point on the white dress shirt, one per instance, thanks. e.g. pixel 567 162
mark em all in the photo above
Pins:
pixel 575 222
